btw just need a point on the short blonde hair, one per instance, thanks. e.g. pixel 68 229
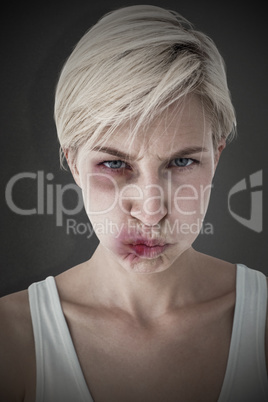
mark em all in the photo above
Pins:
pixel 131 65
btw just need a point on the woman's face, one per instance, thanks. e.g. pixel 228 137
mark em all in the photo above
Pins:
pixel 147 204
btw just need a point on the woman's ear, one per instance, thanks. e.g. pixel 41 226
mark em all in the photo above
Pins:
pixel 73 167
pixel 217 153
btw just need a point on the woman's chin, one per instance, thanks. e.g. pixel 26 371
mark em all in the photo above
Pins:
pixel 142 261
pixel 132 262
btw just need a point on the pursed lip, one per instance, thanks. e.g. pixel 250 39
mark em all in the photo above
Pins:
pixel 147 251
pixel 146 242
pixel 146 248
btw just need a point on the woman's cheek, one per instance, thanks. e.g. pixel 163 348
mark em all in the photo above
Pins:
pixel 100 193
pixel 190 200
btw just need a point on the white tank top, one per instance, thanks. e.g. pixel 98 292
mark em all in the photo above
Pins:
pixel 59 374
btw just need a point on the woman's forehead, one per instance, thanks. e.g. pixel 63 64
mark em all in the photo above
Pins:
pixel 182 123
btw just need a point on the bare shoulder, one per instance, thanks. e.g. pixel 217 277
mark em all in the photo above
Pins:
pixel 218 275
pixel 15 304
pixel 73 282
pixel 16 346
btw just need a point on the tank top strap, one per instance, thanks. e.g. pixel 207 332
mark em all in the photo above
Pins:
pixel 246 374
pixel 58 371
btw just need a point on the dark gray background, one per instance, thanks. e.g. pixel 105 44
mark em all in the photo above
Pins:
pixel 36 38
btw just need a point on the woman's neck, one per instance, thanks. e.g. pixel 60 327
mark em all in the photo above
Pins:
pixel 144 296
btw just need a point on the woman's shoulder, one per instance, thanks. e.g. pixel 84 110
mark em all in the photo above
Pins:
pixel 15 314
pixel 219 275
pixel 16 345
pixel 11 303
pixel 73 282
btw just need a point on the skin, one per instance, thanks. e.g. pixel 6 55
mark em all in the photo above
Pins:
pixel 150 194
pixel 160 322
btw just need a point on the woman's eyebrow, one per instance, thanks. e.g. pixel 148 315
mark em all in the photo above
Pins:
pixel 188 151
pixel 126 156
pixel 115 152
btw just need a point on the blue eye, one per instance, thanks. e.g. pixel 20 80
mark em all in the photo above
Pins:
pixel 115 164
pixel 182 162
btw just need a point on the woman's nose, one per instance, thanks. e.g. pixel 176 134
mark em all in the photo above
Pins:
pixel 149 205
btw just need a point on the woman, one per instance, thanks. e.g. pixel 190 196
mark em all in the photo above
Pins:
pixel 143 113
